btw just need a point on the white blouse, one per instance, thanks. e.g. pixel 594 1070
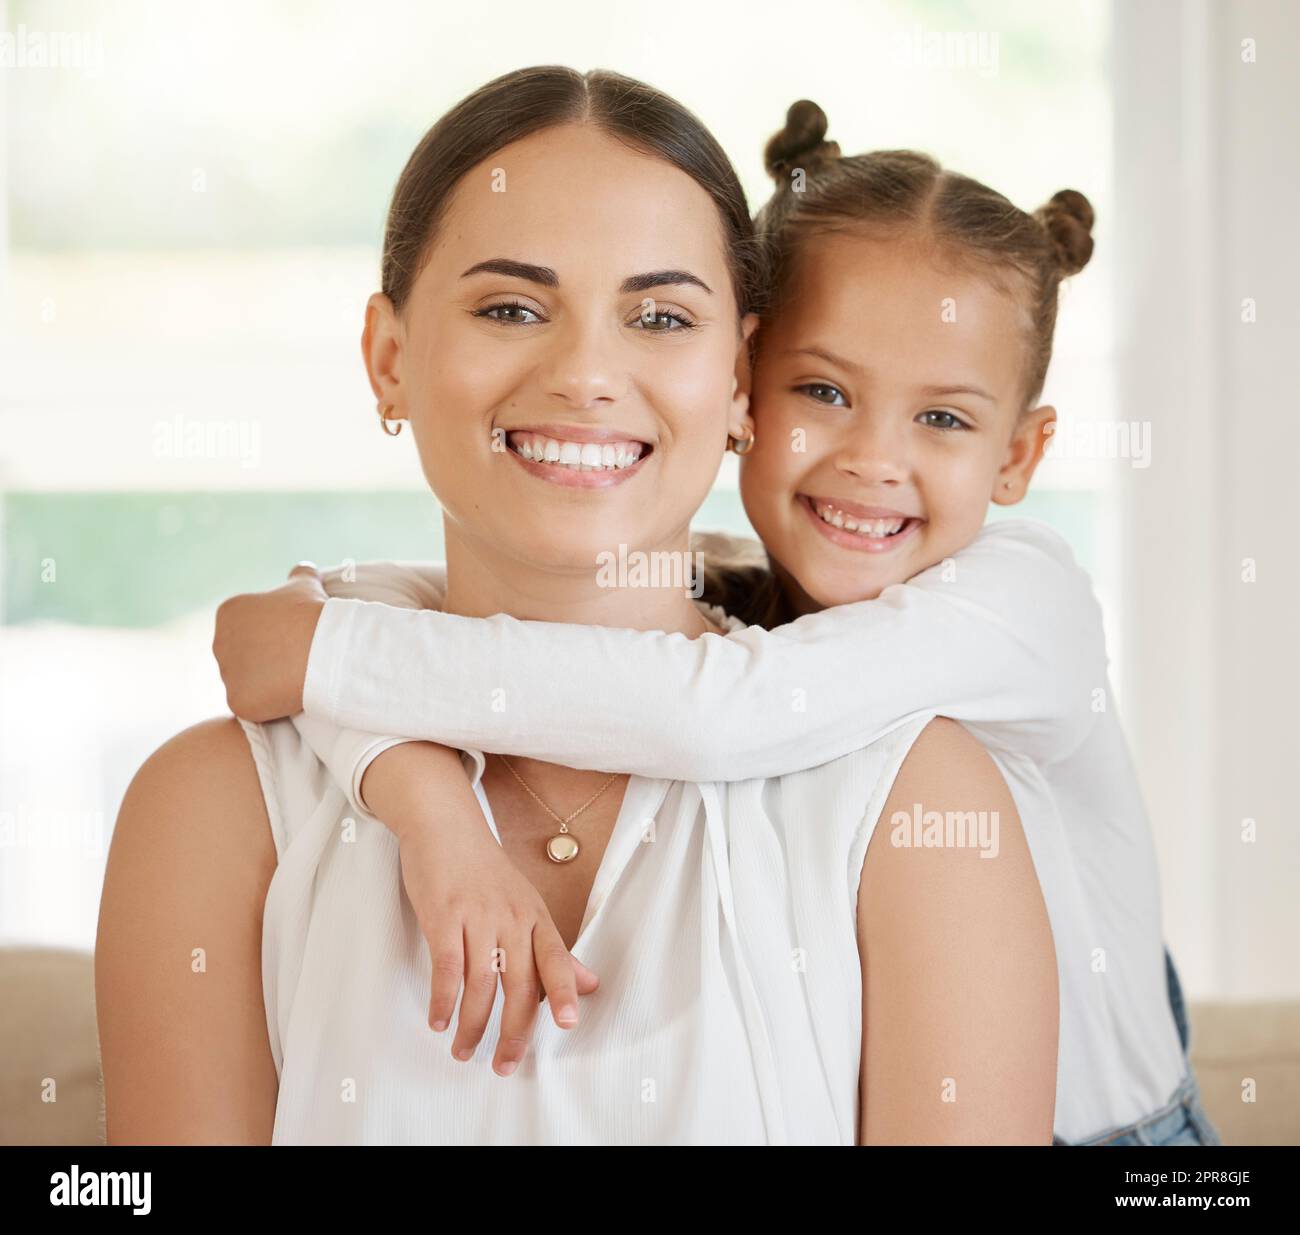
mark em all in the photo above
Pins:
pixel 1005 637
pixel 729 1010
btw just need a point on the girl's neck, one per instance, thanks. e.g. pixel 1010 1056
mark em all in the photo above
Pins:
pixel 482 581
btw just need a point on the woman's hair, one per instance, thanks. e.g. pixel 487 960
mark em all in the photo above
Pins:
pixel 526 101
pixel 901 190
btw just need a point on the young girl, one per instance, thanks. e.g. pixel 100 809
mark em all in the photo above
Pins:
pixel 895 394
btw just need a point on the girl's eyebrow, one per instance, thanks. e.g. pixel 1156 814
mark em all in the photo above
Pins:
pixel 935 391
pixel 548 278
pixel 930 392
pixel 822 354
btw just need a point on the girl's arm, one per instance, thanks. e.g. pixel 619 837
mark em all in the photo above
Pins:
pixel 959 978
pixel 1005 636
pixel 460 883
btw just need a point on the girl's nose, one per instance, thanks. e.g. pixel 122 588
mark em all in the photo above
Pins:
pixel 582 365
pixel 874 451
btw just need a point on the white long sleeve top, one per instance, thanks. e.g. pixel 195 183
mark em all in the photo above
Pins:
pixel 1005 637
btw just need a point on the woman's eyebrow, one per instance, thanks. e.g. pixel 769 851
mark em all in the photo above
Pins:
pixel 515 270
pixel 662 278
pixel 548 278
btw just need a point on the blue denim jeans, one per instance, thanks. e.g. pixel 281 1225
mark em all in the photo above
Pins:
pixel 1182 1120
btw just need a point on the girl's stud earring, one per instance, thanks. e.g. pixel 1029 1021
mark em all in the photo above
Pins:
pixel 746 443
pixel 385 423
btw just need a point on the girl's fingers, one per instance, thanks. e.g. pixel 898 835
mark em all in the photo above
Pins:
pixel 586 978
pixel 521 986
pixel 481 976
pixel 306 578
pixel 447 950
pixel 556 966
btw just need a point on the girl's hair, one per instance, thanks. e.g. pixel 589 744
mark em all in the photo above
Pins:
pixel 747 591
pixel 898 190
pixel 738 577
pixel 526 101
pixel 894 191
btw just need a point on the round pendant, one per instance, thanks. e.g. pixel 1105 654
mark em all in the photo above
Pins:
pixel 562 848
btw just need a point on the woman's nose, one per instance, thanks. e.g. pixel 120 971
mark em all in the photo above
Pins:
pixel 583 364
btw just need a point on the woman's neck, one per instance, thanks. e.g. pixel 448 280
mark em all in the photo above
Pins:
pixel 481 581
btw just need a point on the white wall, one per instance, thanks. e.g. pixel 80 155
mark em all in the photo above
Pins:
pixel 1207 181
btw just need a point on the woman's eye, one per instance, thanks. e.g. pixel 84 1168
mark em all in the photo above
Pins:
pixel 939 419
pixel 824 392
pixel 512 314
pixel 663 321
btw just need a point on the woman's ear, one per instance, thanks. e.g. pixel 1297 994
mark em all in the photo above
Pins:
pixel 1024 453
pixel 381 349
pixel 740 423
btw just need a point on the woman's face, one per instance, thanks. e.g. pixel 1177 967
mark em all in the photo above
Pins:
pixel 576 302
pixel 886 394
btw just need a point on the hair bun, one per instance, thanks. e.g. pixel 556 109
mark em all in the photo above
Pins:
pixel 802 143
pixel 1068 219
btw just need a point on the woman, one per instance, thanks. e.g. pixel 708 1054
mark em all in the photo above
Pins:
pixel 741 1008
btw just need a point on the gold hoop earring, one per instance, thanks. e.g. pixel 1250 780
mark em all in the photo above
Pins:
pixel 384 422
pixel 747 440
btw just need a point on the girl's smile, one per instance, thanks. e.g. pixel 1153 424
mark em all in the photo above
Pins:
pixel 863 529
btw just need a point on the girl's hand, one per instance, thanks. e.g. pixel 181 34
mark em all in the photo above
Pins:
pixel 482 919
pixel 262 643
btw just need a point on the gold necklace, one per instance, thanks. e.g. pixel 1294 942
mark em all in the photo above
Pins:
pixel 563 847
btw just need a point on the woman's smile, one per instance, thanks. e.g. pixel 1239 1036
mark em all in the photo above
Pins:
pixel 580 457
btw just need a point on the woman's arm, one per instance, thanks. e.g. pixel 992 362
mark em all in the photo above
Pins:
pixel 178 970
pixel 1006 635
pixel 959 978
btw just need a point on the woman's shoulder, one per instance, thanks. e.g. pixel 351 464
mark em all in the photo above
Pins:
pixel 200 792
pixel 947 809
pixel 177 970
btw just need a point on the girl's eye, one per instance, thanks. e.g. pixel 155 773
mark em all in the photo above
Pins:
pixel 824 392
pixel 942 419
pixel 511 313
pixel 664 321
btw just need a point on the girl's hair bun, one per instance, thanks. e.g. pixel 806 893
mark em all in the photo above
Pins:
pixel 802 143
pixel 1068 219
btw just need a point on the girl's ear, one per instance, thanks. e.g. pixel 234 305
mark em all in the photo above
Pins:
pixel 740 423
pixel 1024 453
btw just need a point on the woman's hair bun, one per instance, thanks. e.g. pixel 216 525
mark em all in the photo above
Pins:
pixel 802 143
pixel 1068 219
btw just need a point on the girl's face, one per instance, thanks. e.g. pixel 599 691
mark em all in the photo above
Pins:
pixel 886 395
pixel 577 301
